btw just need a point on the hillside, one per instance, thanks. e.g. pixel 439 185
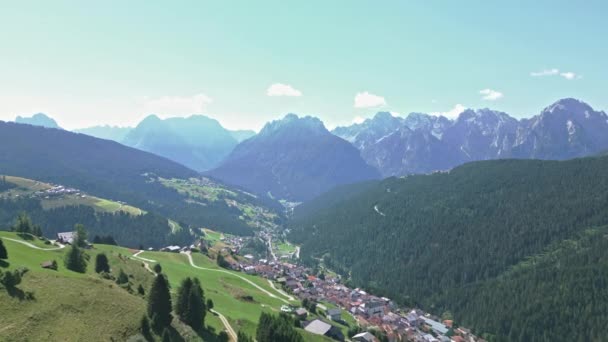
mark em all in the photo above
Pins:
pixel 295 159
pixel 423 143
pixel 57 209
pixel 428 238
pixel 114 172
pixel 198 142
pixel 57 314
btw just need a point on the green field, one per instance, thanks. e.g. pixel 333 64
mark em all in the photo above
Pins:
pixel 63 296
pixel 27 187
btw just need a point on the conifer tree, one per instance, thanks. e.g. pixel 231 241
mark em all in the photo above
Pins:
pixel 145 328
pixel 159 303
pixel 101 263
pixel 75 260
pixel 181 303
pixel 3 251
pixel 122 278
pixel 81 235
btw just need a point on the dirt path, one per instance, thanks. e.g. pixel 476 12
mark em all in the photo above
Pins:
pixel 235 275
pixel 229 329
pixel 280 291
pixel 34 246
pixel 144 261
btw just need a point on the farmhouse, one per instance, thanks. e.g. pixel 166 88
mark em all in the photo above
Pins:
pixel 66 237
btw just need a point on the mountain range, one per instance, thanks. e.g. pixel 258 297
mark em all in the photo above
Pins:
pixel 422 143
pixel 107 132
pixel 39 119
pixel 295 158
pixel 197 141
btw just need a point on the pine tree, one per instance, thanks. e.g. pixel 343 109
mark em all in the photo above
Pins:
pixel 101 263
pixel 122 278
pixel 181 303
pixel 81 235
pixel 196 310
pixel 24 225
pixel 209 304
pixel 159 303
pixel 157 268
pixel 75 260
pixel 140 290
pixel 3 251
pixel 37 231
pixel 145 328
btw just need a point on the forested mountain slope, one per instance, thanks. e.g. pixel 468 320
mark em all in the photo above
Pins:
pixel 110 170
pixel 436 240
pixel 295 159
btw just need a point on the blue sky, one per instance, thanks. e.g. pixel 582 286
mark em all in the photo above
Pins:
pixel 114 62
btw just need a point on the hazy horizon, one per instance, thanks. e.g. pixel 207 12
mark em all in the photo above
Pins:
pixel 114 63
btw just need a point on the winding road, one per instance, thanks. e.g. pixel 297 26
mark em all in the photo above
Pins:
pixel 34 246
pixel 229 329
pixel 144 261
pixel 280 291
pixel 235 275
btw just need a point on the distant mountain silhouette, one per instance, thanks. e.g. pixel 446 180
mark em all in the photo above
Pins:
pixel 293 158
pixel 422 143
pixel 39 119
pixel 197 141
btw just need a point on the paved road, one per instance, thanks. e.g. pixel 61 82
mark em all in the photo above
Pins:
pixel 34 246
pixel 229 329
pixel 235 275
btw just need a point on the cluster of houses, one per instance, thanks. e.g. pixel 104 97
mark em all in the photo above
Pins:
pixel 59 190
pixel 372 313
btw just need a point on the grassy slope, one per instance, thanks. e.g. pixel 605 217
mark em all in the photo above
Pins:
pixel 28 186
pixel 68 306
pixel 54 290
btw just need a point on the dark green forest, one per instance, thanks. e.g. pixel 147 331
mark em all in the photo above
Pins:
pixel 148 230
pixel 449 241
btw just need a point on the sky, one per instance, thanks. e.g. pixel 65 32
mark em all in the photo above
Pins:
pixel 245 63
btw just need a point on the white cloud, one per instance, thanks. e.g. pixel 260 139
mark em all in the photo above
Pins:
pixel 358 120
pixel 569 75
pixel 280 89
pixel 491 95
pixel 452 113
pixel 367 100
pixel 176 105
pixel 546 72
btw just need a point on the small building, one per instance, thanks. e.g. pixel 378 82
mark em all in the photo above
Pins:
pixel 172 249
pixel 364 337
pixel 437 327
pixel 334 314
pixel 301 313
pixel 49 265
pixel 374 308
pixel 319 327
pixel 66 237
